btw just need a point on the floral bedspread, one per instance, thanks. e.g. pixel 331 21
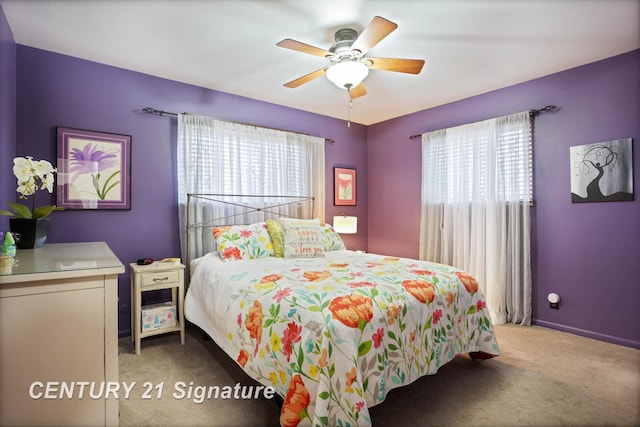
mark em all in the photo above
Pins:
pixel 333 335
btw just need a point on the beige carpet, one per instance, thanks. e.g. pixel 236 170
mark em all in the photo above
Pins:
pixel 542 378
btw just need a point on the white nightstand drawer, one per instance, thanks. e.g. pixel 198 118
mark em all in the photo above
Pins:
pixel 160 278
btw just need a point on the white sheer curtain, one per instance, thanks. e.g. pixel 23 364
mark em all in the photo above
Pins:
pixel 476 195
pixel 221 157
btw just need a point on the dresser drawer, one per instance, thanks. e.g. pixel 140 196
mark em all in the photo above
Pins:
pixel 160 278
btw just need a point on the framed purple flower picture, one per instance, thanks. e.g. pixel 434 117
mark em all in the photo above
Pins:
pixel 94 170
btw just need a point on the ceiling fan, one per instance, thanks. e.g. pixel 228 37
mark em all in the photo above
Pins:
pixel 348 64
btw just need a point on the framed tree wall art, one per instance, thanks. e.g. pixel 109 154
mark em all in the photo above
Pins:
pixel 94 170
pixel 344 181
pixel 602 172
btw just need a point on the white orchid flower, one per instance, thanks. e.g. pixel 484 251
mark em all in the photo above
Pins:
pixel 31 176
pixel 43 168
pixel 27 188
pixel 23 168
pixel 47 182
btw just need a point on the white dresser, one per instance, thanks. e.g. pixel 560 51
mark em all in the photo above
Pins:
pixel 59 336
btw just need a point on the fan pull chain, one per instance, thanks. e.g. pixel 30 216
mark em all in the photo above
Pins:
pixel 349 106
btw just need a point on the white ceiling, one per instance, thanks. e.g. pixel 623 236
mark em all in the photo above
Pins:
pixel 470 46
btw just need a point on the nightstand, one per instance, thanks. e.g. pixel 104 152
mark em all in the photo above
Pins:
pixel 152 277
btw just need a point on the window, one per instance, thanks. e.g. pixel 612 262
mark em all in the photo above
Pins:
pixel 476 194
pixel 468 163
pixel 218 157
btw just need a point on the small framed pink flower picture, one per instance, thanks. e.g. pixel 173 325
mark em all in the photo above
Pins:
pixel 94 170
pixel 344 193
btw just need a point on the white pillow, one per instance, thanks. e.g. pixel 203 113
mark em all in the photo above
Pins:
pixel 302 238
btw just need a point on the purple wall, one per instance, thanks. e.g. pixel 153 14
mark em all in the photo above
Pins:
pixel 57 90
pixel 587 253
pixel 7 116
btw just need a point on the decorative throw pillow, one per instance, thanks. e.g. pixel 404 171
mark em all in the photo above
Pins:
pixel 243 241
pixel 302 238
pixel 332 240
pixel 277 237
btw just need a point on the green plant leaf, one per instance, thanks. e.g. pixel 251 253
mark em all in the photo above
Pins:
pixel 5 212
pixel 42 211
pixel 21 210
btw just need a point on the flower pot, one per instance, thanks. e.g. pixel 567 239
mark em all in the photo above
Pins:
pixel 33 232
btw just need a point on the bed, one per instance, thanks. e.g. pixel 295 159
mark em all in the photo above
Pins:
pixel 335 331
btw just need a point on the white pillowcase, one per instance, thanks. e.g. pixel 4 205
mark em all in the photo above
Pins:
pixel 302 238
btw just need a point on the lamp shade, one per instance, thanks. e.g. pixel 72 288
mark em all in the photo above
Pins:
pixel 345 224
pixel 347 74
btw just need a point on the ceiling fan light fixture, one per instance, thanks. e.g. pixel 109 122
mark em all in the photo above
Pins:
pixel 347 74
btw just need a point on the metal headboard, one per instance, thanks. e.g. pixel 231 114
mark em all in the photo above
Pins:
pixel 241 209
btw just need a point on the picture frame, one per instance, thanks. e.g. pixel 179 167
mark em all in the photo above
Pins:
pixel 344 190
pixel 94 169
pixel 602 171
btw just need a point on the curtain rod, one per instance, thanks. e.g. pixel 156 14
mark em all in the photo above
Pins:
pixel 534 112
pixel 151 110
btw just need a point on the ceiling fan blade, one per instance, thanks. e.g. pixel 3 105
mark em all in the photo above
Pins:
pixel 303 47
pixel 377 29
pixel 357 91
pixel 411 66
pixel 306 78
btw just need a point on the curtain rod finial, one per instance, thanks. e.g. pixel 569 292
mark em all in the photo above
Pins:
pixel 546 109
